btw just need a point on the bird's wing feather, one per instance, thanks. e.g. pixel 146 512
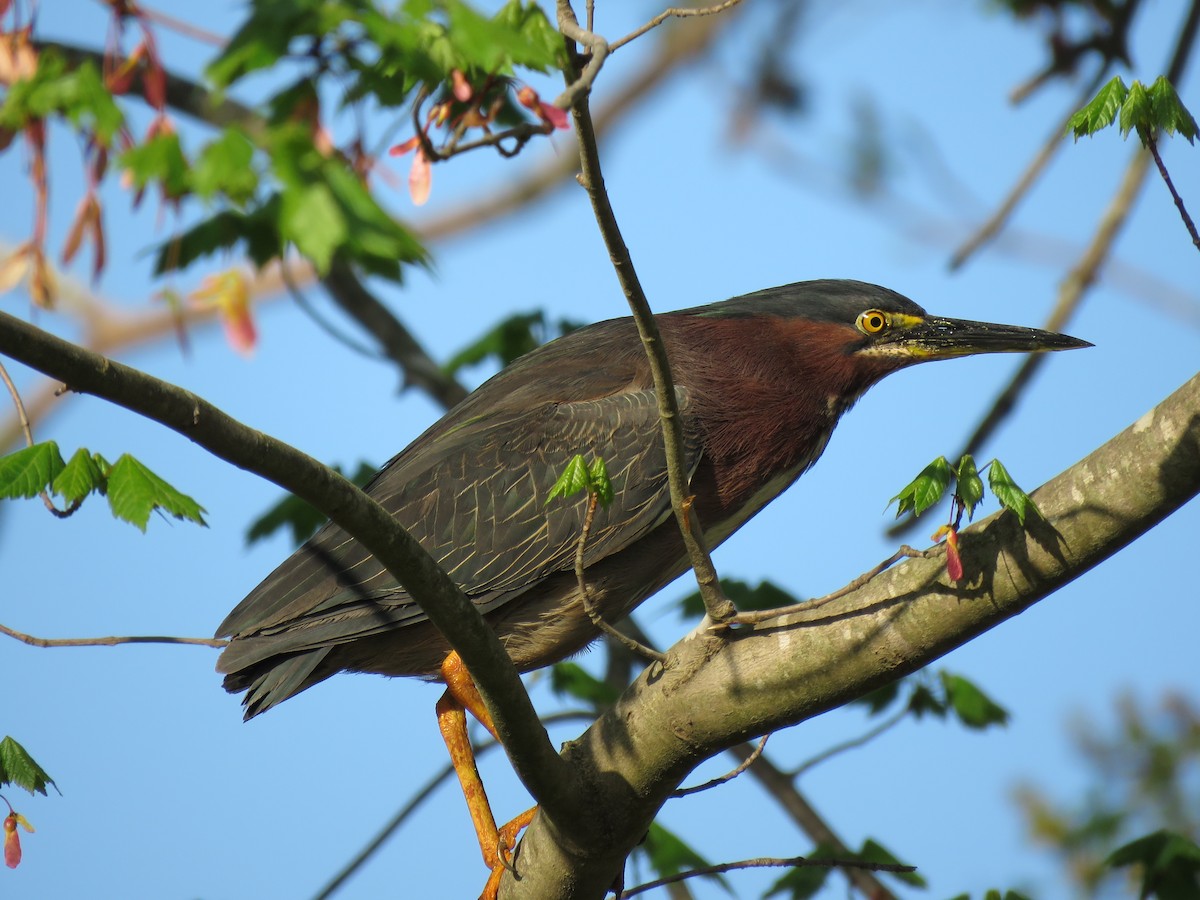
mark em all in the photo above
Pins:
pixel 475 497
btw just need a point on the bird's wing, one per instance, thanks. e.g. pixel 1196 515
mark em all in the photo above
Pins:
pixel 475 496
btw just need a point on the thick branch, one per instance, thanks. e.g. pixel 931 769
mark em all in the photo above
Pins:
pixel 777 674
pixel 446 606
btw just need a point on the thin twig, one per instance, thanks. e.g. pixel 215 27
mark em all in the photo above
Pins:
pixel 765 862
pixel 108 641
pixel 763 615
pixel 585 592
pixel 591 178
pixel 673 12
pixel 324 324
pixel 179 26
pixel 393 825
pixel 1152 145
pixel 837 749
pixel 780 786
pixel 28 432
pixel 996 221
pixel 728 776
pixel 581 84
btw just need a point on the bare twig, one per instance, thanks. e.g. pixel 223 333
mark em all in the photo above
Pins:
pixel 765 615
pixel 591 178
pixel 1152 145
pixel 28 432
pixel 108 641
pixel 728 776
pixel 580 84
pixel 837 749
pixel 674 12
pixel 585 592
pixel 179 26
pixel 765 862
pixel 996 221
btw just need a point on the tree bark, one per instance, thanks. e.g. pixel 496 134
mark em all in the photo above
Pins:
pixel 712 694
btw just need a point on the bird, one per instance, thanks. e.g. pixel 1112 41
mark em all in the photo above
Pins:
pixel 761 381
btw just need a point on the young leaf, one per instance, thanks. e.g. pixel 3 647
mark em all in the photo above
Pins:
pixel 1136 112
pixel 599 482
pixel 974 708
pixel 874 852
pixel 299 516
pixel 574 478
pixel 1168 110
pixel 1170 864
pixel 225 166
pixel 970 487
pixel 573 680
pixel 29 471
pixel 1101 112
pixel 1009 493
pixel 19 768
pixel 924 490
pixel 80 476
pixel 134 492
pixel 763 595
pixel 669 855
pixel 799 883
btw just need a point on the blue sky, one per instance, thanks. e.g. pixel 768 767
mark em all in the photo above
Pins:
pixel 166 794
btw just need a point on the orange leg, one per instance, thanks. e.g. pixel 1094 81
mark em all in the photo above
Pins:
pixel 462 695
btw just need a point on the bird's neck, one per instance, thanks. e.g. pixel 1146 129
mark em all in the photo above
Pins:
pixel 766 403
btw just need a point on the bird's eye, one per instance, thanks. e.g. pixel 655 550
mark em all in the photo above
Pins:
pixel 872 321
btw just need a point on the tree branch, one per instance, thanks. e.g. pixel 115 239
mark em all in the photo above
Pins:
pixel 529 748
pixel 780 673
pixel 591 178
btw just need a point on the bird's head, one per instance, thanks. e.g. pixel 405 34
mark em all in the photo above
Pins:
pixel 870 331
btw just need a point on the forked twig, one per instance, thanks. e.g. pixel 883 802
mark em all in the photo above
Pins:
pixel 764 615
pixel 674 12
pixel 728 776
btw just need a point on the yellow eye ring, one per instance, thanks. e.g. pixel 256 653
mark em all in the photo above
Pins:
pixel 872 321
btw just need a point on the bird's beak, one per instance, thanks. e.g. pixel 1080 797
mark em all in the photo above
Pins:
pixel 937 338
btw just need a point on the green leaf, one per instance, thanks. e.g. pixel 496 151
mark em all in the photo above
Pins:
pixel 225 166
pixel 257 229
pixel 1170 864
pixel 81 475
pixel 873 851
pixel 599 482
pixel 76 93
pixel 573 680
pixel 669 855
pixel 299 516
pixel 1009 493
pixel 879 699
pixel 574 478
pixel 969 487
pixel 974 708
pixel 746 597
pixel 134 492
pixel 799 883
pixel 159 160
pixel 1101 111
pixel 1168 110
pixel 924 702
pixel 512 337
pixel 265 38
pixel 925 490
pixel 310 218
pixel 1136 112
pixel 19 768
pixel 29 471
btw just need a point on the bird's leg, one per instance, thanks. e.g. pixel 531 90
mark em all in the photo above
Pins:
pixel 461 695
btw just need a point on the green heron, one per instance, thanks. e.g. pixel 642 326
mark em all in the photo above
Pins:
pixel 761 381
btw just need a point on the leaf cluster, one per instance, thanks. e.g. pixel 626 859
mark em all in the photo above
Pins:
pixel 1145 109
pixel 950 694
pixel 133 491
pixel 19 768
pixel 803 882
pixel 76 93
pixel 578 476
pixel 931 484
